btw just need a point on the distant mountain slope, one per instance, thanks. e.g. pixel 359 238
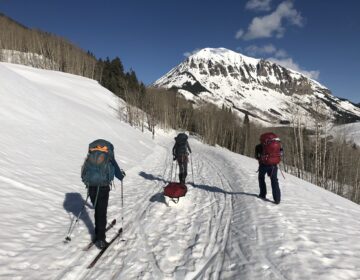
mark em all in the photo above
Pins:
pixel 350 132
pixel 263 89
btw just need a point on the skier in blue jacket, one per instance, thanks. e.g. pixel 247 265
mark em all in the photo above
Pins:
pixel 99 192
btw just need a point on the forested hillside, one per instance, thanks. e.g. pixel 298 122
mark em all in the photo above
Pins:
pixel 36 48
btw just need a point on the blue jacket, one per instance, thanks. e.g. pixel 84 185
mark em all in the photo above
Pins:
pixel 118 173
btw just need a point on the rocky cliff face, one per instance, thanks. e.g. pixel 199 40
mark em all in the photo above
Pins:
pixel 263 89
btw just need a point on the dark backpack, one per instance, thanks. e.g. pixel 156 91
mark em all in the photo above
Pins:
pixel 271 149
pixel 181 144
pixel 98 169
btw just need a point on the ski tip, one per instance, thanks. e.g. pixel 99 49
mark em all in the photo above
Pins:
pixel 113 222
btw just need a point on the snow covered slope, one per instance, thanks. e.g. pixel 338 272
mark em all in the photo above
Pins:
pixel 220 230
pixel 263 89
pixel 350 132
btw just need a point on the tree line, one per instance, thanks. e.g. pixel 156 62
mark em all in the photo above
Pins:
pixel 65 56
pixel 310 154
pixel 62 55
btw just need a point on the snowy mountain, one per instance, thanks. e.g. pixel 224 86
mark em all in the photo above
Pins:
pixel 220 230
pixel 263 89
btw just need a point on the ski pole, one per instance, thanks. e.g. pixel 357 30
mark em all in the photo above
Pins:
pixel 71 228
pixel 122 204
pixel 282 173
pixel 192 169
pixel 122 208
pixel 176 165
pixel 171 170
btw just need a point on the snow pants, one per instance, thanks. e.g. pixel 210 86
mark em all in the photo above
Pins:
pixel 271 171
pixel 183 162
pixel 100 200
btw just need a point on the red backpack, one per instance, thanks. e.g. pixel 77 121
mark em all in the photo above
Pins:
pixel 271 144
pixel 175 190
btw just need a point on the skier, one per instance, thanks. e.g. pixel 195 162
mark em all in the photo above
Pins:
pixel 180 152
pixel 269 153
pixel 97 173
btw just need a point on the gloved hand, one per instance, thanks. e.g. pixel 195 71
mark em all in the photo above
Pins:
pixel 174 157
pixel 123 172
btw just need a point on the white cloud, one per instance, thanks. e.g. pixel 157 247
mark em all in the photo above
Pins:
pixel 272 24
pixel 291 64
pixel 187 54
pixel 258 5
pixel 265 50
pixel 281 53
pixel 256 50
pixel 239 34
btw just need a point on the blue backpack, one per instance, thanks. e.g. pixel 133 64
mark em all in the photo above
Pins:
pixel 98 169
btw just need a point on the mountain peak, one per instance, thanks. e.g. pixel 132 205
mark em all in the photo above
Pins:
pixel 262 89
pixel 228 56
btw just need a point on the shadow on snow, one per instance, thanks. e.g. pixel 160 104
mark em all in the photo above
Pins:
pixel 72 204
pixel 151 177
pixel 159 197
pixel 218 190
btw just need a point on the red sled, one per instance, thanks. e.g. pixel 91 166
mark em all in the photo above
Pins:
pixel 175 190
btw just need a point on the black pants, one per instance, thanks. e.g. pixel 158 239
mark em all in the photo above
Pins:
pixel 271 171
pixel 100 202
pixel 183 162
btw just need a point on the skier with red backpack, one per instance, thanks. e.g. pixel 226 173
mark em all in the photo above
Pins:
pixel 269 153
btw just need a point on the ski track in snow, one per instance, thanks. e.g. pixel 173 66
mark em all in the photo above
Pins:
pixel 220 230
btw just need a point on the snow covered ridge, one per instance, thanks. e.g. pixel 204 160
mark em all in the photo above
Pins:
pixel 220 230
pixel 263 89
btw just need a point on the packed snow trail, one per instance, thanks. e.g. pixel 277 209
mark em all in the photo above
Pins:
pixel 220 230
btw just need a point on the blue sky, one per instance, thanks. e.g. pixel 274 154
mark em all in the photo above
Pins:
pixel 320 38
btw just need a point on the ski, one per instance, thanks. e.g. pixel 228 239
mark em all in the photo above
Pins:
pixel 111 225
pixel 98 256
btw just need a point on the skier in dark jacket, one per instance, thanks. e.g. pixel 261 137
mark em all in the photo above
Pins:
pixel 181 152
pixel 99 197
pixel 269 169
pixel 99 194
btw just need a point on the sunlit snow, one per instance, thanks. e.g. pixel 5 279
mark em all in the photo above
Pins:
pixel 220 230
